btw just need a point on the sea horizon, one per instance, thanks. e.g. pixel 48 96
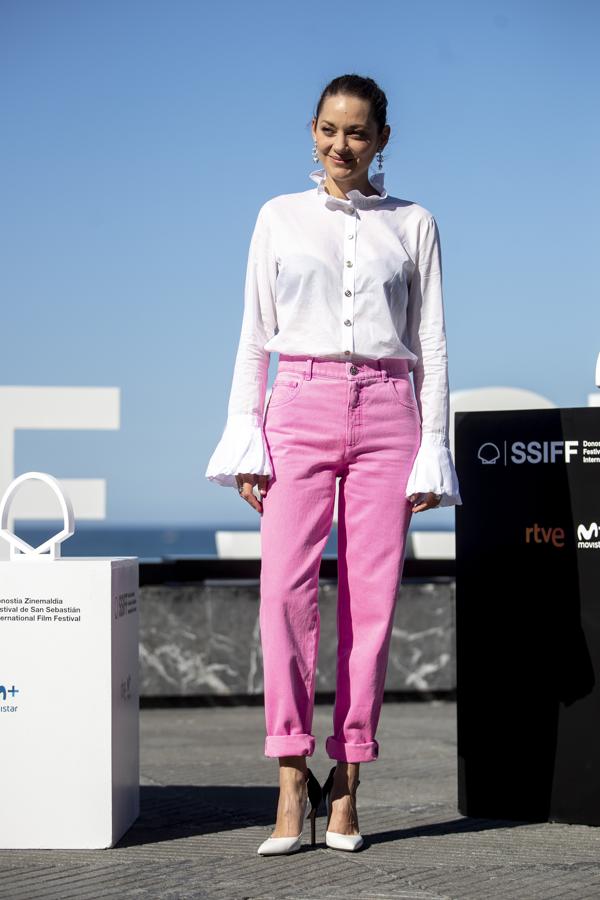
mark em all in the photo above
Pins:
pixel 149 540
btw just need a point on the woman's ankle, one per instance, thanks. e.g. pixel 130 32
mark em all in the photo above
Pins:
pixel 345 779
pixel 293 769
pixel 293 793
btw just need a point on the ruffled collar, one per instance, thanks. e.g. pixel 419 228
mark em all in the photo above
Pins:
pixel 354 197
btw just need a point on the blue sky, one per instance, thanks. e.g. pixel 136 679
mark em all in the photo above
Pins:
pixel 139 140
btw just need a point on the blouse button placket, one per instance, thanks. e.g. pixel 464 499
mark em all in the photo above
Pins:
pixel 348 281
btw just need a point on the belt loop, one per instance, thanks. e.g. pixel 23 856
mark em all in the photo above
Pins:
pixel 308 368
pixel 384 371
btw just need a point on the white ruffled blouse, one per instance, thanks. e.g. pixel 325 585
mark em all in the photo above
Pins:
pixel 342 278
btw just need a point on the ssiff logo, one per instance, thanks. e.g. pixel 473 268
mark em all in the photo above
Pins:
pixel 488 453
pixel 126 688
pixel 533 452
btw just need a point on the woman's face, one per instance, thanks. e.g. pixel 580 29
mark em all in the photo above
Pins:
pixel 346 137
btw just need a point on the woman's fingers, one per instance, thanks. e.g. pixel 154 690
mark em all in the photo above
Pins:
pixel 428 501
pixel 250 497
pixel 247 482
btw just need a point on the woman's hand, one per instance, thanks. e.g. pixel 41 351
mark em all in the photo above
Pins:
pixel 246 482
pixel 429 501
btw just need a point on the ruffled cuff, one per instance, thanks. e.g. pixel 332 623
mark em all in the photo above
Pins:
pixel 242 448
pixel 433 470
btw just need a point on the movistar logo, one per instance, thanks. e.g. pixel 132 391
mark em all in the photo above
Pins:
pixel 588 536
pixel 4 691
pixel 8 693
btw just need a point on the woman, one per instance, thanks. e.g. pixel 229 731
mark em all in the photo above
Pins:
pixel 344 281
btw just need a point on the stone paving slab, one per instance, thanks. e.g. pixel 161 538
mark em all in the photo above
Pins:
pixel 208 799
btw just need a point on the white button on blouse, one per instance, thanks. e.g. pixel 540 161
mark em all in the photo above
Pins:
pixel 343 279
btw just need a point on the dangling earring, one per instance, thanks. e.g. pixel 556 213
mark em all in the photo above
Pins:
pixel 380 160
pixel 315 155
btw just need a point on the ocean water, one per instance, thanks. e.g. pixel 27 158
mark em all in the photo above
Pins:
pixel 143 541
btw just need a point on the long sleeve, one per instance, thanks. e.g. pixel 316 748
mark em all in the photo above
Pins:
pixel 242 446
pixel 433 468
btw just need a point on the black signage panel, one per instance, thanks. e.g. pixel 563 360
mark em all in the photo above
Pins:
pixel 528 614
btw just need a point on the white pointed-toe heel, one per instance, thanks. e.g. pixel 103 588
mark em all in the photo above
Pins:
pixel 273 846
pixel 335 839
pixel 279 845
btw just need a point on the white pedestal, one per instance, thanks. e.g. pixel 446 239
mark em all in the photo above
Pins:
pixel 69 702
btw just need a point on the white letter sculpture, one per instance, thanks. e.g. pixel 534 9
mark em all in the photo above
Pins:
pixel 50 549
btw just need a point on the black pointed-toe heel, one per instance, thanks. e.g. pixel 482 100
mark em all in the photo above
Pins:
pixel 314 795
pixel 332 838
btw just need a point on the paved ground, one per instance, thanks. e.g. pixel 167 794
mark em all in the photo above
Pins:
pixel 208 799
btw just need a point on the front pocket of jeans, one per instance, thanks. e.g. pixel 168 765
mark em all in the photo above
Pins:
pixel 402 392
pixel 284 390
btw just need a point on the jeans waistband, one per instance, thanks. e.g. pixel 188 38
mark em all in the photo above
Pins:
pixel 342 368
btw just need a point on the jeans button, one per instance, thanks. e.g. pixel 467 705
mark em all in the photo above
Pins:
pixel 353 370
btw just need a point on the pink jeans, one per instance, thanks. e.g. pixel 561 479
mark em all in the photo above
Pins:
pixel 360 421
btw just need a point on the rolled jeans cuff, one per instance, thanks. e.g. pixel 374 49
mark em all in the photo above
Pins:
pixel 289 745
pixel 351 752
